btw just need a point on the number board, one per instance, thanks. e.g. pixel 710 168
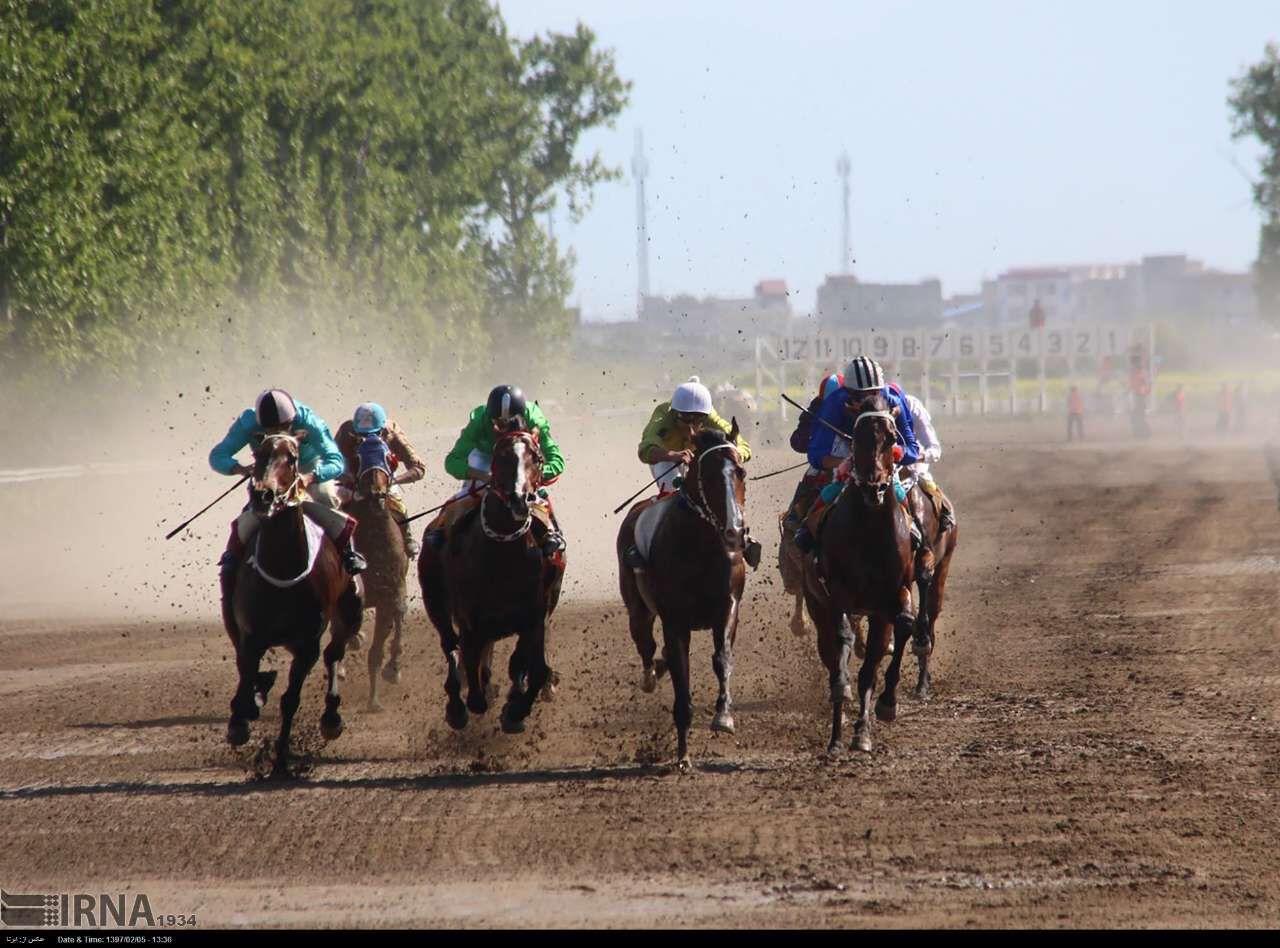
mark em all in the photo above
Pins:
pixel 1024 343
pixel 909 346
pixel 939 345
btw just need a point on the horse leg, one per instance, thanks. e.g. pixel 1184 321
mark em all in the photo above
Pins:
pixel 331 720
pixel 491 689
pixel 532 649
pixel 244 704
pixel 381 629
pixel 640 621
pixel 878 636
pixel 472 658
pixel 304 659
pixel 833 647
pixel 929 611
pixel 391 673
pixel 676 648
pixel 903 625
pixel 797 616
pixel 722 662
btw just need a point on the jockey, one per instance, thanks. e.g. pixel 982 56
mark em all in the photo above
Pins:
pixel 319 464
pixel 668 441
pixel 472 456
pixel 930 453
pixel 814 478
pixel 862 377
pixel 371 421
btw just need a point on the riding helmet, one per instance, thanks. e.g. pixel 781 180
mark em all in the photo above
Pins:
pixel 370 418
pixel 275 407
pixel 692 397
pixel 863 375
pixel 505 401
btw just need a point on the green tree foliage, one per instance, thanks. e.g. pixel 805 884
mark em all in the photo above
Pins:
pixel 1255 107
pixel 288 166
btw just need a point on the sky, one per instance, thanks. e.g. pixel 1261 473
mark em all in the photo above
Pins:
pixel 982 136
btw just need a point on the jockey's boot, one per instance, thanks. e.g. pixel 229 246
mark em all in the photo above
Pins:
pixel 353 562
pixel 411 547
pixel 553 543
pixel 804 539
pixel 633 558
pixel 751 552
pixel 917 537
pixel 947 520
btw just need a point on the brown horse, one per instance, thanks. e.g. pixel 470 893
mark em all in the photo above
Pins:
pixel 491 582
pixel 290 588
pixel 933 563
pixel 864 567
pixel 694 580
pixel 382 544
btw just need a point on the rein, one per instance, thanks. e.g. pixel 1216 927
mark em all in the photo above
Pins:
pixel 701 509
pixel 523 528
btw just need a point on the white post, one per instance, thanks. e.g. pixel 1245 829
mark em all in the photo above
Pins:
pixel 1044 403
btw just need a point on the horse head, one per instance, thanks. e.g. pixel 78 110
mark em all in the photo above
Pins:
pixel 874 435
pixel 717 485
pixel 277 482
pixel 373 481
pixel 517 468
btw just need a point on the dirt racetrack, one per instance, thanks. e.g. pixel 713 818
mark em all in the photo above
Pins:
pixel 1103 747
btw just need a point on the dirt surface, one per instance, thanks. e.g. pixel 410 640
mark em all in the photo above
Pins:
pixel 1103 746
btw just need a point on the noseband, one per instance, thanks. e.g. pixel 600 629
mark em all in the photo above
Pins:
pixel 857 478
pixel 492 489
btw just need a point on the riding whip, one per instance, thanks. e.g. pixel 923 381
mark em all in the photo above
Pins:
pixel 172 533
pixel 821 421
pixel 424 513
pixel 794 467
pixel 646 487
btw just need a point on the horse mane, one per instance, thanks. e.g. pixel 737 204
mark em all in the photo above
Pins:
pixel 708 438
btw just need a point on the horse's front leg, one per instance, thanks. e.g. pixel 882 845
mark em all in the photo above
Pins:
pixel 391 673
pixel 903 626
pixel 245 703
pixel 531 650
pixel 472 662
pixel 834 642
pixel 879 630
pixel 304 659
pixel 381 629
pixel 722 662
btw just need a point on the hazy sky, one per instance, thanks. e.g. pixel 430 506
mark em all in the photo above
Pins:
pixel 983 135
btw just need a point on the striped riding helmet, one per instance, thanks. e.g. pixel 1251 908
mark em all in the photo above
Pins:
pixel 863 375
pixel 275 407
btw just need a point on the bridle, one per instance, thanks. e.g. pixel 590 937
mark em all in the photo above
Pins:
pixel 280 498
pixel 699 506
pixel 858 480
pixel 531 438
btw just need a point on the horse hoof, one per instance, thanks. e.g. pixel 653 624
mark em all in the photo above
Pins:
pixel 355 642
pixel 659 667
pixel 833 749
pixel 262 686
pixel 923 693
pixel 797 628
pixel 237 733
pixel 331 727
pixel 859 648
pixel 848 692
pixel 455 715
pixel 391 674
pixel 862 742
pixel 722 722
pixel 886 712
pixel 477 703
pixel 684 765
pixel 648 680
pixel 375 707
pixel 548 692
pixel 342 671
pixel 510 724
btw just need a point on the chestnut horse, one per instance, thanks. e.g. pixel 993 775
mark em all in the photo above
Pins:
pixel 932 565
pixel 491 582
pixel 290 588
pixel 382 544
pixel 864 567
pixel 694 579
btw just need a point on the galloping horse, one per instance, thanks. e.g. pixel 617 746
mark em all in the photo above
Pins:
pixel 491 583
pixel 865 568
pixel 290 588
pixel 382 544
pixel 695 577
pixel 932 565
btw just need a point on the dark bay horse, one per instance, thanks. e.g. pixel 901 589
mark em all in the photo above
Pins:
pixel 932 565
pixel 694 579
pixel 864 567
pixel 290 588
pixel 490 582
pixel 380 541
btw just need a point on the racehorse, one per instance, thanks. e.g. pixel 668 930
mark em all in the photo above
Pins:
pixel 933 563
pixel 491 582
pixel 291 587
pixel 864 567
pixel 380 541
pixel 694 579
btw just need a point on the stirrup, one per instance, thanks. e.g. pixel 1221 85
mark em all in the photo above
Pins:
pixel 353 562
pixel 553 544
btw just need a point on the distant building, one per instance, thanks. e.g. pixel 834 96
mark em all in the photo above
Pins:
pixel 766 312
pixel 845 301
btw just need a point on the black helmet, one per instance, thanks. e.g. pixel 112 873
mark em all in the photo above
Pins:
pixel 505 401
pixel 275 407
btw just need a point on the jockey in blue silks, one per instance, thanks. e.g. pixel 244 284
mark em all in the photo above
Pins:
pixel 862 377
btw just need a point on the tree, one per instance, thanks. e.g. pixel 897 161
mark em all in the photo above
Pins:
pixel 1255 106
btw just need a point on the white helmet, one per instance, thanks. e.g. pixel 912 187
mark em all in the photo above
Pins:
pixel 863 375
pixel 692 397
